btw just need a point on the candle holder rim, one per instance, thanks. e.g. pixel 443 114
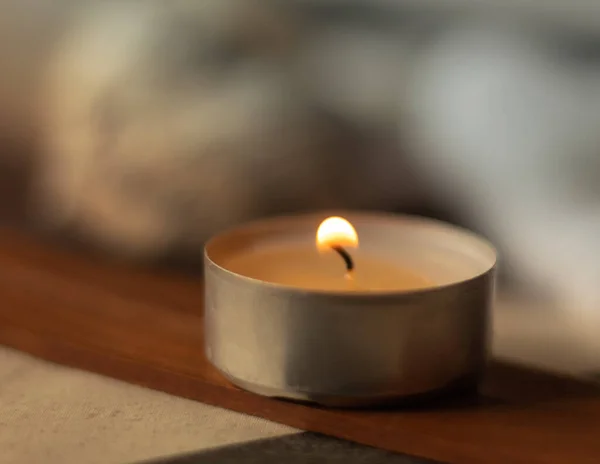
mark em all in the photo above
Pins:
pixel 355 294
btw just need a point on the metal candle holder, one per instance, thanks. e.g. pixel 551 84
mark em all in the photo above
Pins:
pixel 353 349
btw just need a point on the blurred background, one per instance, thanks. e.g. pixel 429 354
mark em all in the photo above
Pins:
pixel 139 129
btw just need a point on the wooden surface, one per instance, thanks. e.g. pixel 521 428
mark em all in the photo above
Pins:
pixel 146 328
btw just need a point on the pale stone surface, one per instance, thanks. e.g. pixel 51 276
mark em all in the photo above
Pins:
pixel 50 414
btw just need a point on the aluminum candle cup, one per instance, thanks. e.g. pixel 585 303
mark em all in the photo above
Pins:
pixel 283 319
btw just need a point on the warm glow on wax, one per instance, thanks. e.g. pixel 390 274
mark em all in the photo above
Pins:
pixel 336 232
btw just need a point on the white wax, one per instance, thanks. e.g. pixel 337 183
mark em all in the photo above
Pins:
pixel 305 267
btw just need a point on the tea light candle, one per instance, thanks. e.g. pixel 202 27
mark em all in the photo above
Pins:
pixel 296 307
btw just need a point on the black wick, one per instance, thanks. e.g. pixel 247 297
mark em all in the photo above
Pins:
pixel 345 256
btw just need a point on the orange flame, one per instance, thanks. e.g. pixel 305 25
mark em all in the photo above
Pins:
pixel 336 231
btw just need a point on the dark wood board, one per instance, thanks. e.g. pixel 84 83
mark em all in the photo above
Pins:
pixel 146 328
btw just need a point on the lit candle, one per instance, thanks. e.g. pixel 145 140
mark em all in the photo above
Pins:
pixel 332 322
pixel 326 265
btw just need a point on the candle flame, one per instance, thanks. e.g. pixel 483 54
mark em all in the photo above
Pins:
pixel 336 231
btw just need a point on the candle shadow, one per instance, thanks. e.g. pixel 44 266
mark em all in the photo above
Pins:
pixel 505 386
pixel 460 395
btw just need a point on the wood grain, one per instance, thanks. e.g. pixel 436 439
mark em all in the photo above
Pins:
pixel 146 328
